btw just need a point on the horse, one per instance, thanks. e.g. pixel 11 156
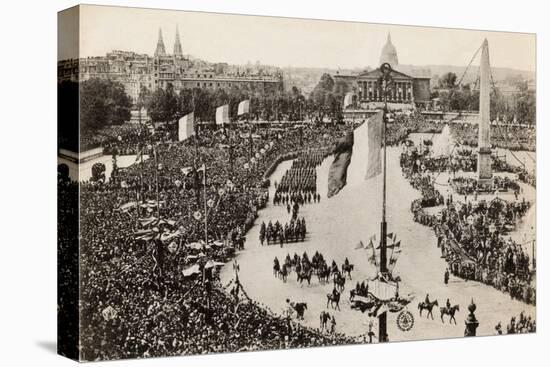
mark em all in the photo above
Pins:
pixel 284 273
pixel 347 269
pixel 449 311
pixel 300 308
pixel 339 281
pixel 276 269
pixel 427 306
pixel 324 317
pixel 334 300
pixel 324 275
pixel 305 275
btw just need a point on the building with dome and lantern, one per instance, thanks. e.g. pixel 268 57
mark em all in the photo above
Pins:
pixel 411 85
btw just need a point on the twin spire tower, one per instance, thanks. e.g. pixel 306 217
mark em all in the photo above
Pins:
pixel 161 50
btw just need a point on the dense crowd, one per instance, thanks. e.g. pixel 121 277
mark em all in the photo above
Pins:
pixel 520 325
pixel 67 260
pixel 506 137
pixel 471 235
pixel 145 228
pixel 143 231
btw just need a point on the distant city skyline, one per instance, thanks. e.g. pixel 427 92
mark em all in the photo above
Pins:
pixel 283 42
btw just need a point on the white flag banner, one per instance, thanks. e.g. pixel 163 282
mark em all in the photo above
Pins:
pixel 186 126
pixel 348 100
pixel 222 115
pixel 244 107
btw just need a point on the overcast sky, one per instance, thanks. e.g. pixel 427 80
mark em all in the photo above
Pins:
pixel 285 42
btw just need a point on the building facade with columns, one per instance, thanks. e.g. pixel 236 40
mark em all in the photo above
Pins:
pixel 411 86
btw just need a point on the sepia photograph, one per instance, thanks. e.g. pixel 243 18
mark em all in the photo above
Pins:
pixel 231 183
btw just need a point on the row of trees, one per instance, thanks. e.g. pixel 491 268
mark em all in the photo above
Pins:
pixel 324 101
pixel 94 104
pixel 520 105
pixel 98 103
pixel 169 104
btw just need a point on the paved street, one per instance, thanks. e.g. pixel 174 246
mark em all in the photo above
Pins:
pixel 335 226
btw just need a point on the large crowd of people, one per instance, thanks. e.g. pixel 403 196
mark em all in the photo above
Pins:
pixel 471 234
pixel 144 229
pixel 520 325
pixel 506 137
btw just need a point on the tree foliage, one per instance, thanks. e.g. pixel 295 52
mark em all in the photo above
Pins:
pixel 327 97
pixel 447 81
pixel 167 105
pixel 102 103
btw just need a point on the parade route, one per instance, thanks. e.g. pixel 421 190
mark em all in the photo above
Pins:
pixel 334 227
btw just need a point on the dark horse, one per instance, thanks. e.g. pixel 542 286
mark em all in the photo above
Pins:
pixel 427 306
pixel 300 308
pixel 276 269
pixel 304 275
pixel 334 300
pixel 339 281
pixel 324 275
pixel 449 311
pixel 284 273
pixel 347 269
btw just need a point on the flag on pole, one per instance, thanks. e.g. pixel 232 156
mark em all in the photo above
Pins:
pixel 186 126
pixel 222 115
pixel 350 154
pixel 374 162
pixel 139 156
pixel 394 245
pixel 244 107
pixel 203 170
pixel 348 99
pixel 338 172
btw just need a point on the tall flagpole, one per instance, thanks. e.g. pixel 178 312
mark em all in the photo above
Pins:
pixel 195 127
pixel 385 81
pixel 205 207
pixel 157 181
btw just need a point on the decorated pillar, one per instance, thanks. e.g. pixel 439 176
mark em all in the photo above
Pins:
pixel 471 322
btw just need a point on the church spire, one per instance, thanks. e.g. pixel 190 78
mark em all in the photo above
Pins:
pixel 177 45
pixel 160 51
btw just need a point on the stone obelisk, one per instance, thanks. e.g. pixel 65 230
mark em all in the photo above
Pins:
pixel 484 172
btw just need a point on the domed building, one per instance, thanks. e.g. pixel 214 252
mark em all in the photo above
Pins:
pixel 389 54
pixel 411 85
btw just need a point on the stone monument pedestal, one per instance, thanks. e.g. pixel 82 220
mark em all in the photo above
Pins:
pixel 484 170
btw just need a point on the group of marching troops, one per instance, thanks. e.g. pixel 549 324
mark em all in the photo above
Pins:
pixel 291 232
pixel 300 197
pixel 302 179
